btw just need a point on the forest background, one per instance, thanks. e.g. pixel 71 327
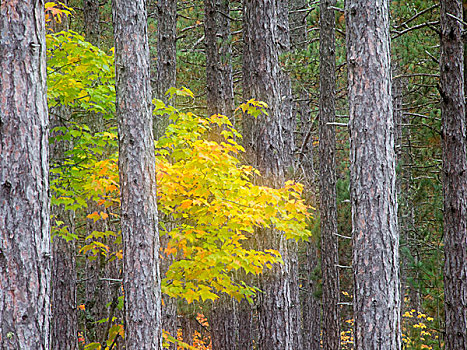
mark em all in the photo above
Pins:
pixel 203 117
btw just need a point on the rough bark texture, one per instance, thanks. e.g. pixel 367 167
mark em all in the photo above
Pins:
pixel 64 312
pixel 169 305
pixel 404 184
pixel 464 14
pixel 372 176
pixel 95 298
pixel 269 138
pixel 64 323
pixel 99 292
pixel 455 175
pixel 65 318
pixel 246 334
pixel 25 255
pixel 397 101
pixel 220 100
pixel 141 277
pixel 94 289
pixel 311 308
pixel 224 324
pixel 91 18
pixel 297 19
pixel 302 110
pixel 327 177
pixel 166 77
pixel 166 56
pixel 286 98
pixel 269 143
pixel 219 82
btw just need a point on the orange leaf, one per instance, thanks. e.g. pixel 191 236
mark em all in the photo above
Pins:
pixel 94 216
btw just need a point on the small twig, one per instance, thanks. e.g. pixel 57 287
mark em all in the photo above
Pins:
pixel 432 57
pixel 343 266
pixel 338 124
pixel 336 9
pixel 418 26
pixel 345 303
pixel 417 15
pixel 457 19
pixel 342 236
pixel 111 280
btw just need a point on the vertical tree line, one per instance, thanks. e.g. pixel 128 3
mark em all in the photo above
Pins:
pixel 269 140
pixel 25 252
pixel 141 275
pixel 284 53
pixel 454 174
pixel 327 186
pixel 373 177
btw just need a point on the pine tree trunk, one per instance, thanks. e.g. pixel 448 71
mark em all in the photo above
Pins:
pixel 91 19
pixel 270 146
pixel 169 305
pixel 141 277
pixel 64 309
pixel 64 323
pixel 455 175
pixel 65 318
pixel 397 98
pixel 310 305
pixel 222 316
pixel 302 110
pixel 166 64
pixel 223 324
pixel 220 99
pixel 98 293
pixel 166 76
pixel 25 252
pixel 327 177
pixel 311 308
pixel 246 333
pixel 372 178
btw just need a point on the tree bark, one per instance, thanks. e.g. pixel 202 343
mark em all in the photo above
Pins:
pixel 64 329
pixel 64 323
pixel 311 308
pixel 99 293
pixel 302 110
pixel 246 333
pixel 269 143
pixel 141 277
pixel 166 76
pixel 310 304
pixel 219 82
pixel 91 19
pixel 455 175
pixel 327 177
pixel 220 100
pixel 224 324
pixel 169 305
pixel 166 65
pixel 25 255
pixel 372 177
pixel 401 177
pixel 65 317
